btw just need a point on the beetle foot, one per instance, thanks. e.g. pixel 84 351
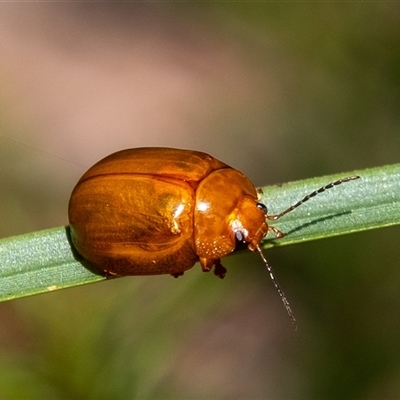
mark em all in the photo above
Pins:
pixel 206 264
pixel 109 274
pixel 219 269
pixel 177 274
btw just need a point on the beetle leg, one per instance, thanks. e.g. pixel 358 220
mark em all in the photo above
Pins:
pixel 278 234
pixel 109 274
pixel 177 274
pixel 208 263
pixel 219 269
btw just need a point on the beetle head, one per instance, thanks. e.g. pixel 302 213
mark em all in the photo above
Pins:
pixel 250 224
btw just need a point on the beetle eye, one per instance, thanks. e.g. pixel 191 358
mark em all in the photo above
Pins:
pixel 240 240
pixel 239 236
pixel 263 207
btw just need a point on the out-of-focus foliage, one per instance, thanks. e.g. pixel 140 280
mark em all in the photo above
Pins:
pixel 282 91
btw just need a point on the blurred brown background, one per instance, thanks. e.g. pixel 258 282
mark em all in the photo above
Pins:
pixel 281 91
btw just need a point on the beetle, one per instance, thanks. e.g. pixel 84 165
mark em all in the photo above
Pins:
pixel 150 211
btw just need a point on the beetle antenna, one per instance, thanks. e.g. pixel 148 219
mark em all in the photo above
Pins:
pixel 312 194
pixel 278 288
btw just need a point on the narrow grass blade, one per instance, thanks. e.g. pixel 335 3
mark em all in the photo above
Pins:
pixel 44 261
pixel 39 262
pixel 373 201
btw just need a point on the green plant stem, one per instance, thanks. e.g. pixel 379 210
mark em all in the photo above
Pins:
pixel 44 261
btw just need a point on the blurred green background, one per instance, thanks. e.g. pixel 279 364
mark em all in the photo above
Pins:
pixel 281 91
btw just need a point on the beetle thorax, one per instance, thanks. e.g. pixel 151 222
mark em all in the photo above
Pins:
pixel 226 203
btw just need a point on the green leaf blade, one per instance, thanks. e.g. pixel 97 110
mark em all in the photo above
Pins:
pixel 43 261
pixel 39 262
pixel 373 201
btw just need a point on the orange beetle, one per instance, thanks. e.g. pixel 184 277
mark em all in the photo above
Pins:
pixel 150 211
